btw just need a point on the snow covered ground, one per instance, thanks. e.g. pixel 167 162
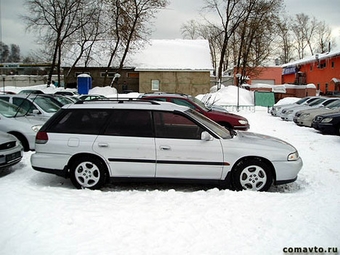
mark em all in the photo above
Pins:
pixel 43 214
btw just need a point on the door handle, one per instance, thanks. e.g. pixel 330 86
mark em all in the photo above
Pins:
pixel 165 148
pixel 103 145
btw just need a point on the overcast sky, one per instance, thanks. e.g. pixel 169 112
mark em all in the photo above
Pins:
pixel 168 22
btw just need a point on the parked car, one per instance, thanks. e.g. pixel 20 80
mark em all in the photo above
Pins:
pixel 328 123
pixel 91 97
pixel 11 150
pixel 92 141
pixel 13 120
pixel 320 102
pixel 305 117
pixel 37 105
pixel 219 115
pixel 31 92
pixel 67 93
pixel 285 109
pixel 275 110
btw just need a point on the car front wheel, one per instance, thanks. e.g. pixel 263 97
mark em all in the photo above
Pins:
pixel 253 175
pixel 88 173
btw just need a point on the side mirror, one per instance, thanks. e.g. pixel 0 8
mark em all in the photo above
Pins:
pixel 205 136
pixel 36 112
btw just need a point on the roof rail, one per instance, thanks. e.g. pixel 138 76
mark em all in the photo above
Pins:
pixel 119 101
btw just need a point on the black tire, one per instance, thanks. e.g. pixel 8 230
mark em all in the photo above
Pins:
pixel 22 140
pixel 252 174
pixel 88 172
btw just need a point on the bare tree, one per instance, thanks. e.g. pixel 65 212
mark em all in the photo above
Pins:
pixel 256 34
pixel 56 21
pixel 191 30
pixel 245 32
pixel 323 38
pixel 284 41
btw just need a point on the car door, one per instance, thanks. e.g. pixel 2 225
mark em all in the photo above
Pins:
pixel 128 144
pixel 180 151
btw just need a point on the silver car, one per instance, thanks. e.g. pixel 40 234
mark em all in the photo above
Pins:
pixel 94 141
pixel 35 105
pixel 13 120
pixel 318 103
pixel 11 150
pixel 276 109
pixel 305 117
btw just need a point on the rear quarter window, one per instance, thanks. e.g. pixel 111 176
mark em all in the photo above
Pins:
pixel 79 121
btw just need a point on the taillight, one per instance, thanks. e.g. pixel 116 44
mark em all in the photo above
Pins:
pixel 41 137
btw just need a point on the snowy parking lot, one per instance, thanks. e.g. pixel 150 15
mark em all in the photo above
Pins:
pixel 44 214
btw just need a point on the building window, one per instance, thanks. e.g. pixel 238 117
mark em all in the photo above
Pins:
pixel 154 84
pixel 133 75
pixel 333 65
pixel 109 74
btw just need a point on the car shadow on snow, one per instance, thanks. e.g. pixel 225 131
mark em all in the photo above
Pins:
pixel 6 171
pixel 141 186
pixel 47 180
pixel 285 188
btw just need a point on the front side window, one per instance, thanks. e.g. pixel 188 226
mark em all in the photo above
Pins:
pixel 172 125
pixel 136 123
pixel 24 104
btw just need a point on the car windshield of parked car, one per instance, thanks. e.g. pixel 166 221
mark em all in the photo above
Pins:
pixel 46 104
pixel 317 102
pixel 200 103
pixel 10 111
pixel 213 126
pixel 302 100
pixel 334 104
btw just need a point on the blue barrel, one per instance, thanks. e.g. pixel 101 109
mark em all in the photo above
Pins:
pixel 84 83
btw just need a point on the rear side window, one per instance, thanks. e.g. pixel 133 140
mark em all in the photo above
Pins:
pixel 82 121
pixel 130 123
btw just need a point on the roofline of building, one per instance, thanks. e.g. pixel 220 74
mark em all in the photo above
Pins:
pixel 311 59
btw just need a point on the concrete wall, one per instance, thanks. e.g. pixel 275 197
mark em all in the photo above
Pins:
pixel 192 83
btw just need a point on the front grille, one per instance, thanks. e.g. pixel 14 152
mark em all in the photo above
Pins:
pixel 8 145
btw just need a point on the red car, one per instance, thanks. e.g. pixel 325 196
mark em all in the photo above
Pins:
pixel 224 118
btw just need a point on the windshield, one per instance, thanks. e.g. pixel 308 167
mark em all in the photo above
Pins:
pixel 334 104
pixel 46 104
pixel 208 123
pixel 200 103
pixel 300 101
pixel 317 102
pixel 10 110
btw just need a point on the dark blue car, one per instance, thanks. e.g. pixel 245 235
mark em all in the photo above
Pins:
pixel 327 123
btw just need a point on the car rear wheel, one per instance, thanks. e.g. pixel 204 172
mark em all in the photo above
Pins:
pixel 88 173
pixel 253 175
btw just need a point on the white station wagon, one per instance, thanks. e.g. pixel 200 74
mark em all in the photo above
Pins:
pixel 97 141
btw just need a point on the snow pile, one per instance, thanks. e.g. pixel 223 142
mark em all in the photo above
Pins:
pixel 228 96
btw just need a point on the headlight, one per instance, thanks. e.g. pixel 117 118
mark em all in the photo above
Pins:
pixel 243 122
pixel 36 128
pixel 293 156
pixel 327 120
pixel 305 115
